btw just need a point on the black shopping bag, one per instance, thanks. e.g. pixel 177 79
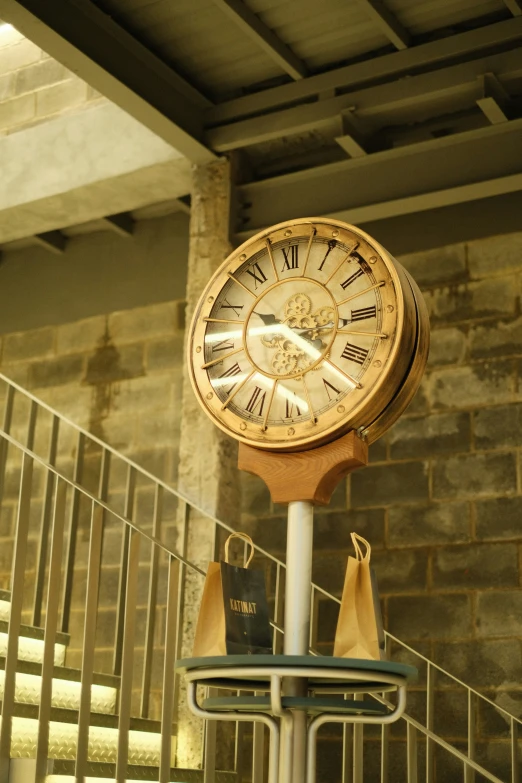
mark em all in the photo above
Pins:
pixel 233 618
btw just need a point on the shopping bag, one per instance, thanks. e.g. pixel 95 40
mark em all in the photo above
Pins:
pixel 233 618
pixel 360 632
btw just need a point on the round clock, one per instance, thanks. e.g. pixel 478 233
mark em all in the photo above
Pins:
pixel 308 330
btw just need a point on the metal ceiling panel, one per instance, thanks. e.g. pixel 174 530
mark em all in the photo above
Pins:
pixel 215 53
pixel 201 41
pixel 425 17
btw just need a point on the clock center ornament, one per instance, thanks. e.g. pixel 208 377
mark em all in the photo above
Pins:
pixel 306 345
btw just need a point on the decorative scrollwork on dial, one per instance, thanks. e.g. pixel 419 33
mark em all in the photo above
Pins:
pixel 306 326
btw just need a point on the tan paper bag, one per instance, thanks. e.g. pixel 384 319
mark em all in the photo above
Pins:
pixel 233 618
pixel 357 634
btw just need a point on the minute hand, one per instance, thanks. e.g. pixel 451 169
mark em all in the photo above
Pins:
pixel 300 331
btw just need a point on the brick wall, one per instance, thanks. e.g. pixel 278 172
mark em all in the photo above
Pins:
pixel 441 501
pixel 33 86
pixel 120 377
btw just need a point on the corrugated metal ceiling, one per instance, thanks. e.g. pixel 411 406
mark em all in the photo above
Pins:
pixel 206 46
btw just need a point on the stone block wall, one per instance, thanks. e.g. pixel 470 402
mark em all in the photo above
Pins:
pixel 33 86
pixel 120 377
pixel 441 501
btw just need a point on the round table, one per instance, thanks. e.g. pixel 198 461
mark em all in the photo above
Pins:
pixel 322 675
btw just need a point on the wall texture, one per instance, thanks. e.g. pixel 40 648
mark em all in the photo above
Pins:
pixel 441 501
pixel 33 86
pixel 120 377
pixel 98 273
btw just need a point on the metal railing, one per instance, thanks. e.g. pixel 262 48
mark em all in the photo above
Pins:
pixel 99 560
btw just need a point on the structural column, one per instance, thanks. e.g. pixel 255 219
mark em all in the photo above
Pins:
pixel 208 474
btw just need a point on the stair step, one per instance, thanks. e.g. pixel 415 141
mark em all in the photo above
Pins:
pixel 5 604
pixel 66 689
pixel 31 643
pixel 144 746
pixel 63 772
pixel 65 673
pixel 64 715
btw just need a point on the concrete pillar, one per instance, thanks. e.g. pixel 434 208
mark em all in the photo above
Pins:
pixel 208 458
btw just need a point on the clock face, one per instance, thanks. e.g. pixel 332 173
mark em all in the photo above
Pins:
pixel 305 332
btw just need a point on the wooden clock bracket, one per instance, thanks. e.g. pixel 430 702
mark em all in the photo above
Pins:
pixel 307 475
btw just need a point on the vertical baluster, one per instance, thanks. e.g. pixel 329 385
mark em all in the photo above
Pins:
pixel 412 753
pixel 151 604
pixel 73 533
pixel 209 748
pixel 385 752
pixel 347 766
pixel 103 487
pixel 172 634
pixel 515 762
pixel 358 747
pixel 6 427
pixel 258 754
pixel 430 719
pixel 385 729
pixel 31 425
pixel 45 524
pixel 89 640
pixel 127 667
pixel 15 620
pixel 239 755
pixel 124 566
pixel 51 625
pixel 278 611
pixel 184 517
pixel 239 760
pixel 314 618
pixel 469 772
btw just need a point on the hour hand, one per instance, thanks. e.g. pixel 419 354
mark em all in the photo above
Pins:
pixel 269 319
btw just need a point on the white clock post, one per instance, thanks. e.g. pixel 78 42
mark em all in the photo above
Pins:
pixel 301 480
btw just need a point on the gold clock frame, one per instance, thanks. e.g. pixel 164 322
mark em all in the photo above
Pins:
pixel 387 389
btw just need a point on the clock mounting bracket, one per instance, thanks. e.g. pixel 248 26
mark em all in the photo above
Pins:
pixel 309 476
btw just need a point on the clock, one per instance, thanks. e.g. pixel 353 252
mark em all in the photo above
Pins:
pixel 309 330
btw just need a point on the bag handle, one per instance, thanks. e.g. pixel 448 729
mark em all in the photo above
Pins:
pixel 356 538
pixel 243 537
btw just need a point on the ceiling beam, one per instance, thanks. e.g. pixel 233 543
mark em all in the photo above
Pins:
pixel 53 241
pixel 459 194
pixel 121 224
pixel 267 40
pixel 402 102
pixel 386 68
pixel 352 141
pixel 92 45
pixel 356 186
pixel 515 6
pixel 185 204
pixel 495 100
pixel 387 23
pixel 427 202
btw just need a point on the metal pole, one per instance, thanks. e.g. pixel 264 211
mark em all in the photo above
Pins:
pixel 297 622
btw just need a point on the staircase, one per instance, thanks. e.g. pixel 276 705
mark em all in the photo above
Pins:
pixel 96 610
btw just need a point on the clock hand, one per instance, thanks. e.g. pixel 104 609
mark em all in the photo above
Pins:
pixel 302 332
pixel 268 319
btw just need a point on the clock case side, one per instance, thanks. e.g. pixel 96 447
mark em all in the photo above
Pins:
pixel 414 373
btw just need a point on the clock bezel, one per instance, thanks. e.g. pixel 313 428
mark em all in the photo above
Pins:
pixel 364 405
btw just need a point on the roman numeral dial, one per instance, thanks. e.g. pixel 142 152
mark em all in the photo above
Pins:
pixel 295 333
